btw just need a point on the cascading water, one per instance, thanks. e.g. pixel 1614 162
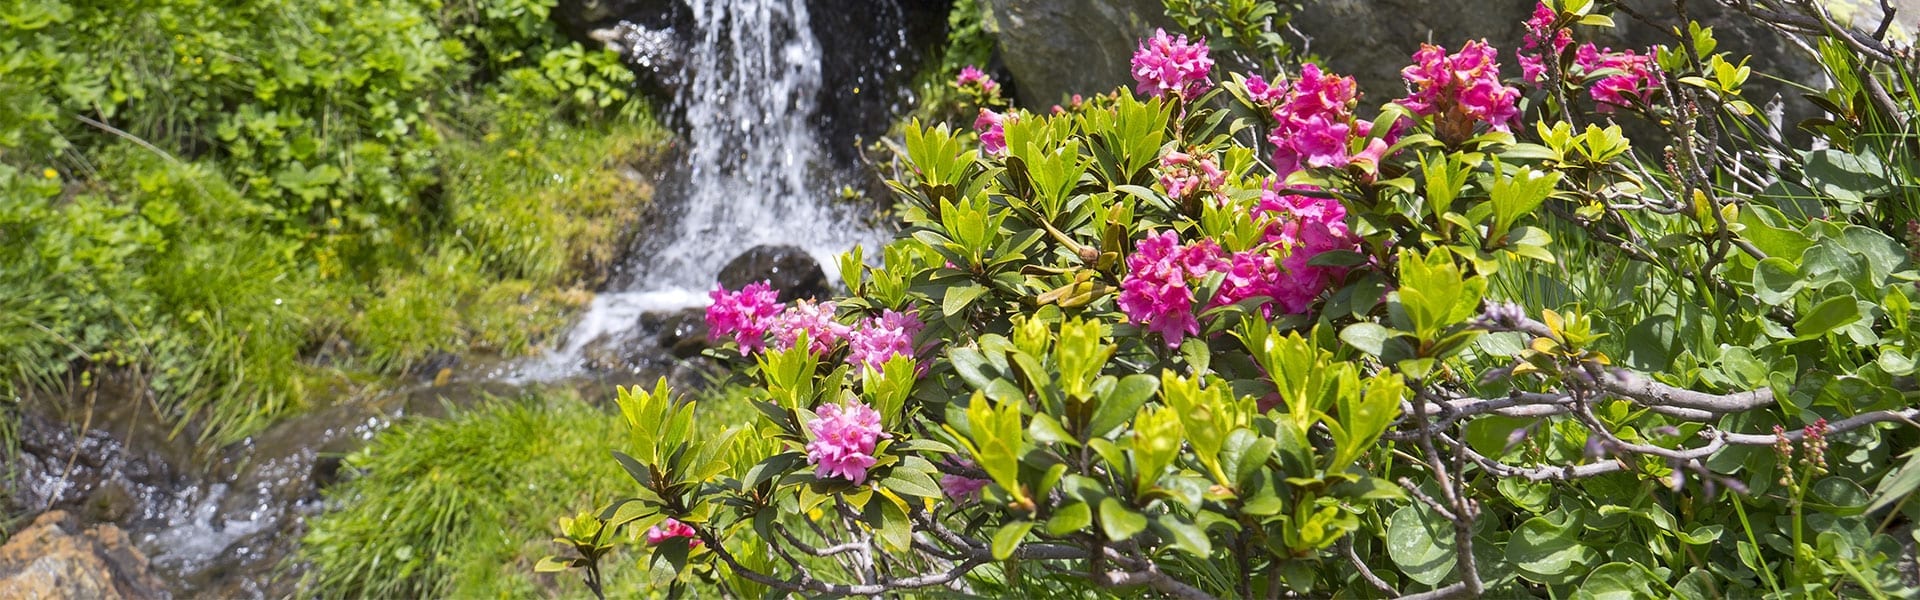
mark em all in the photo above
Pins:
pixel 755 169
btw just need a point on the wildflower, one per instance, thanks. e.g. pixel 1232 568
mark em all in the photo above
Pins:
pixel 1250 274
pixel 844 438
pixel 878 340
pixel 672 528
pixel 1182 173
pixel 1313 121
pixel 745 314
pixel 960 487
pixel 814 319
pixel 1304 227
pixel 1266 94
pixel 993 135
pixel 1459 89
pixel 1155 294
pixel 1633 81
pixel 1169 65
pixel 971 76
pixel 1542 33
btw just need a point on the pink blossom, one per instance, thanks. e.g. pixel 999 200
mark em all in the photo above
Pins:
pixel 960 487
pixel 745 314
pixel 1303 227
pixel 1251 274
pixel 1459 89
pixel 843 441
pixel 971 76
pixel 1634 81
pixel 1266 94
pixel 673 528
pixel 993 135
pixel 1541 34
pixel 878 340
pixel 1181 173
pixel 814 319
pixel 1169 65
pixel 1313 121
pixel 1156 294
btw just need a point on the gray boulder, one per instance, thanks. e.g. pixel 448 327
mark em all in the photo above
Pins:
pixel 1057 48
pixel 790 270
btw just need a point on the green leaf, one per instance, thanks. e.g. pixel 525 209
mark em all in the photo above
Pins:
pixel 958 297
pixel 912 484
pixel 1545 552
pixel 1120 522
pixel 1370 338
pixel 1069 519
pixel 1118 407
pixel 1188 537
pixel 549 564
pixel 1776 280
pixel 1421 545
pixel 1007 539
pixel 1617 581
pixel 1832 314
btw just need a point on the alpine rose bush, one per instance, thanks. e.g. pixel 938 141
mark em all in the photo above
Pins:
pixel 1489 347
pixel 672 528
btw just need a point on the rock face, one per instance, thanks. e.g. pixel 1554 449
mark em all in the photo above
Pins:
pixel 54 558
pixel 792 272
pixel 1056 48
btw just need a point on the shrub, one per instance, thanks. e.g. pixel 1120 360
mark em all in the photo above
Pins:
pixel 1474 343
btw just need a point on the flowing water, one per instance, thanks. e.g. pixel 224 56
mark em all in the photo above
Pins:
pixel 756 170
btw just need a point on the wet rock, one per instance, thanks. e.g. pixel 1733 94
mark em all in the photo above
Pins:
pixel 111 503
pixel 56 558
pixel 790 269
pixel 1056 48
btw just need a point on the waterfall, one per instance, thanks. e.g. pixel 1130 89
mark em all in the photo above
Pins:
pixel 755 170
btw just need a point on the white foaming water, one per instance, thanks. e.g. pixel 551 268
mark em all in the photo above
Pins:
pixel 755 173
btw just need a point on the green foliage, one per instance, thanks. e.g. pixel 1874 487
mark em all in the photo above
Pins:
pixel 459 507
pixel 203 194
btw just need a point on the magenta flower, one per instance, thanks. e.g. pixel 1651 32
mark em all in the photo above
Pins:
pixel 1182 173
pixel 993 135
pixel 960 487
pixel 823 333
pixel 672 528
pixel 1634 81
pixel 878 340
pixel 1266 94
pixel 1313 121
pixel 1155 294
pixel 1171 65
pixel 1459 89
pixel 1250 274
pixel 1303 227
pixel 1542 33
pixel 971 76
pixel 843 441
pixel 745 314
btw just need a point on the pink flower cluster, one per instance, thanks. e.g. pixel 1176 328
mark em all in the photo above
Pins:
pixel 1156 294
pixel 1171 65
pixel 879 339
pixel 1460 88
pixel 816 320
pixel 993 134
pixel 1182 173
pixel 744 314
pixel 971 76
pixel 1542 34
pixel 843 441
pixel 1305 227
pixel 1633 82
pixel 1315 121
pixel 672 528
pixel 1268 95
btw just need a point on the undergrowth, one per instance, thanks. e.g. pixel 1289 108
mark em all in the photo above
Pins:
pixel 242 202
pixel 461 507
